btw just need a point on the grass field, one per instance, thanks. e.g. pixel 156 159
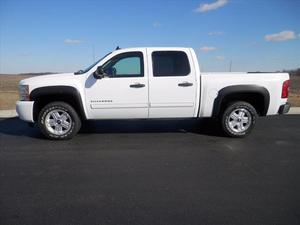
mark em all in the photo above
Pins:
pixel 294 97
pixel 9 90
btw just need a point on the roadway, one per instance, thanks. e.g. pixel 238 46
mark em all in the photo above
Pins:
pixel 151 172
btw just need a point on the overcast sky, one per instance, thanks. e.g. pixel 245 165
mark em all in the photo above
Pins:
pixel 60 35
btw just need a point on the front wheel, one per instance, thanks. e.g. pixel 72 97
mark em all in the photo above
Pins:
pixel 59 121
pixel 239 119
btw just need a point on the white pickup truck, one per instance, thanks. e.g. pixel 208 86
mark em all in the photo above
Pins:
pixel 146 83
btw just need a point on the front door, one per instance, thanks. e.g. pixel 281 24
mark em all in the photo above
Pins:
pixel 172 81
pixel 123 92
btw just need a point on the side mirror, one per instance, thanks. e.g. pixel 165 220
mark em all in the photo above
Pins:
pixel 99 73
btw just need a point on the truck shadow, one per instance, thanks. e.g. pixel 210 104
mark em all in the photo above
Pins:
pixel 17 127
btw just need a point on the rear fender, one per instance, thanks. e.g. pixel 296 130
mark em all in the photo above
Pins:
pixel 236 91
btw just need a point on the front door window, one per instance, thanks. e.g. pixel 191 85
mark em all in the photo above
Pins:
pixel 125 65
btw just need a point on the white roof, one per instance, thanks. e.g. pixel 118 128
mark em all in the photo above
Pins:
pixel 153 48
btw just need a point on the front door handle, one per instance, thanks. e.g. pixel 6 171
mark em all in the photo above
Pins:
pixel 185 84
pixel 137 85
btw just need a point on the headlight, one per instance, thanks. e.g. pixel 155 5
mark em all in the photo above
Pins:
pixel 24 92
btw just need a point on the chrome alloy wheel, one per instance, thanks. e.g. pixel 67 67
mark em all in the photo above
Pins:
pixel 58 122
pixel 239 120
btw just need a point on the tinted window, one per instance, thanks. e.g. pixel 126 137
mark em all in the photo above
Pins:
pixel 125 65
pixel 170 63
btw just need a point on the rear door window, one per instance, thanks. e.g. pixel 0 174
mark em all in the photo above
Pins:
pixel 170 63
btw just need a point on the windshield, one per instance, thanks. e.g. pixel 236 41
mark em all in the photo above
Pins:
pixel 91 66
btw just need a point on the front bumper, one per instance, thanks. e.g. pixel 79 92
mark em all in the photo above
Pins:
pixel 284 109
pixel 25 110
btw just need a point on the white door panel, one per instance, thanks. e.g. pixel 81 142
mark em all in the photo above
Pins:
pixel 114 98
pixel 171 96
pixel 123 94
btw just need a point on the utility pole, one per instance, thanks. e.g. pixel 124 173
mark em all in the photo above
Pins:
pixel 230 64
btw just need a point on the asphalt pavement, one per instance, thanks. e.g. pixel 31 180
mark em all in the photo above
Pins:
pixel 151 172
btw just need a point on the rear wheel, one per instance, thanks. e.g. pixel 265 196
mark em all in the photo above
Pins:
pixel 239 119
pixel 59 121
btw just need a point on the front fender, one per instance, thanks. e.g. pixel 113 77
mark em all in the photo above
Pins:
pixel 61 93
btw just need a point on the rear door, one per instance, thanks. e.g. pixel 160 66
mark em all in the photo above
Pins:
pixel 172 83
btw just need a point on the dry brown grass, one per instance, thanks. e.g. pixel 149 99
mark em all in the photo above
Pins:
pixel 8 99
pixel 9 90
pixel 294 99
pixel 294 96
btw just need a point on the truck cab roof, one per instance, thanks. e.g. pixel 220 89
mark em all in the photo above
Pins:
pixel 152 48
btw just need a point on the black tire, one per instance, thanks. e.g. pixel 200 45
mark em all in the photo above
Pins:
pixel 237 126
pixel 70 116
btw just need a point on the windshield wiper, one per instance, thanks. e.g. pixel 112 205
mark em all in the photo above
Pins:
pixel 79 72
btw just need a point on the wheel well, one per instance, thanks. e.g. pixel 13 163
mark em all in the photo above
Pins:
pixel 257 96
pixel 45 95
pixel 255 99
pixel 40 103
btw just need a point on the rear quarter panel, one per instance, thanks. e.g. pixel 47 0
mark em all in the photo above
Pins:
pixel 212 83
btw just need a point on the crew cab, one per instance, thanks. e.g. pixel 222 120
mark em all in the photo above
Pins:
pixel 148 83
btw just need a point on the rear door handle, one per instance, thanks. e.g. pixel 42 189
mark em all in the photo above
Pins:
pixel 137 85
pixel 185 84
